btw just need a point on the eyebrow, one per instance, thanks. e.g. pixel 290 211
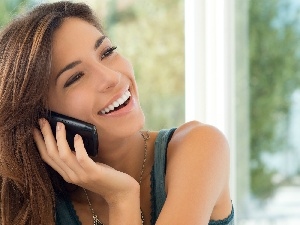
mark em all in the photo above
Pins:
pixel 99 42
pixel 67 67
pixel 75 63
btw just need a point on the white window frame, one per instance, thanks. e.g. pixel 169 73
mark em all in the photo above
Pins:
pixel 210 68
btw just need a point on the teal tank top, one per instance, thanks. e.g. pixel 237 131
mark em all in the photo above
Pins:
pixel 66 214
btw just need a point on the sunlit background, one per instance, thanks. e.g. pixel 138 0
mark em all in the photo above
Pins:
pixel 231 63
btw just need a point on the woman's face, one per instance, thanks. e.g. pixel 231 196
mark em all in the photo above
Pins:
pixel 89 79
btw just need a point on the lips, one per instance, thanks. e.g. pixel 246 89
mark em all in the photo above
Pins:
pixel 117 104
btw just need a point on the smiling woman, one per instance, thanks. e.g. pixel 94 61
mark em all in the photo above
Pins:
pixel 57 58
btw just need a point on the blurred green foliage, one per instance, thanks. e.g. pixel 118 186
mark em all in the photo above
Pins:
pixel 10 8
pixel 274 75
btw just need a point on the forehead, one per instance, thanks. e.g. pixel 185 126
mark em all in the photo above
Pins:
pixel 74 30
pixel 71 39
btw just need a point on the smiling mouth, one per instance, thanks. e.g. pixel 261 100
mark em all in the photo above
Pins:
pixel 118 104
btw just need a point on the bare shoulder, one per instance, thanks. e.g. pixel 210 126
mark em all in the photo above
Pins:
pixel 198 172
pixel 198 147
pixel 200 136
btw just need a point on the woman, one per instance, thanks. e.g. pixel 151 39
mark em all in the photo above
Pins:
pixel 57 58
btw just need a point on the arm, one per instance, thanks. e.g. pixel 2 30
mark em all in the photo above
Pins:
pixel 197 176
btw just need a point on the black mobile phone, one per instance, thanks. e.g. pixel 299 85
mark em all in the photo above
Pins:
pixel 73 126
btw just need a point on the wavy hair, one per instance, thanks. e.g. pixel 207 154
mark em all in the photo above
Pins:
pixel 27 184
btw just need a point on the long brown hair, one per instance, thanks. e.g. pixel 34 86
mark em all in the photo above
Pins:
pixel 27 189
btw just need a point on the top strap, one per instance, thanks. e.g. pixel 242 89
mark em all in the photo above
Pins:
pixel 158 193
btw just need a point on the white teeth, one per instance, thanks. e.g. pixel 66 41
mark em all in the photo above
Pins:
pixel 117 103
pixel 120 101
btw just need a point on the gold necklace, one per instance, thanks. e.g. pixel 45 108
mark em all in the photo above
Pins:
pixel 96 221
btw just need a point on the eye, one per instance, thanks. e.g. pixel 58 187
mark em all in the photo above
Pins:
pixel 73 79
pixel 108 52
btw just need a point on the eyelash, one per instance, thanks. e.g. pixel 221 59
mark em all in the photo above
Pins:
pixel 108 52
pixel 77 76
pixel 73 79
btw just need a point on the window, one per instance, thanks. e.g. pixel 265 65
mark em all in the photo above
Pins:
pixel 255 43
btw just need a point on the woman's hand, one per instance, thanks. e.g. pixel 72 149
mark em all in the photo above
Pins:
pixel 79 169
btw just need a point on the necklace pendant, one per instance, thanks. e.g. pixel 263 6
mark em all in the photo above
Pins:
pixel 96 221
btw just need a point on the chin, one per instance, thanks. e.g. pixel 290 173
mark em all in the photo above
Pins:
pixel 137 123
pixel 125 128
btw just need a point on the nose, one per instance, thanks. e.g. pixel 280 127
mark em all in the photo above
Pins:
pixel 105 77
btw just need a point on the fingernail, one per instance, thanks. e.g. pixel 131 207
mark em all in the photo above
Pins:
pixel 76 137
pixel 41 122
pixel 58 126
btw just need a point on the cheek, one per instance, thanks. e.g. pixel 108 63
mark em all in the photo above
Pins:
pixel 124 66
pixel 75 104
pixel 127 70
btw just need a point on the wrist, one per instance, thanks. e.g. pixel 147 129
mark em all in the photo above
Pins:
pixel 119 197
pixel 126 209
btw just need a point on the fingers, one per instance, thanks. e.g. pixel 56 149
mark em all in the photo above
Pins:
pixel 56 153
pixel 82 157
pixel 39 140
pixel 73 161
pixel 62 148
pixel 73 167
